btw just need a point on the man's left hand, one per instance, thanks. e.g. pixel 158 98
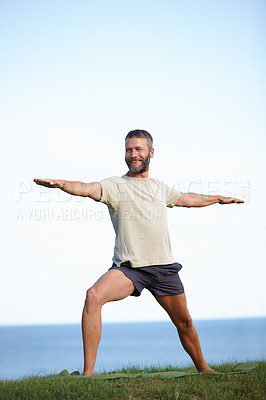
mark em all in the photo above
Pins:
pixel 229 200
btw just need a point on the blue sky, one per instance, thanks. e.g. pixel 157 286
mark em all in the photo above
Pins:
pixel 75 78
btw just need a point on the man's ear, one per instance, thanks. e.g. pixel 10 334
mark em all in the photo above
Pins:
pixel 151 153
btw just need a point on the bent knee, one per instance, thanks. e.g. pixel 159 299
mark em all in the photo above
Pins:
pixel 185 323
pixel 93 298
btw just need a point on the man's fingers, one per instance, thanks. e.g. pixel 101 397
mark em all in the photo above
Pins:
pixel 237 201
pixel 45 182
pixel 230 200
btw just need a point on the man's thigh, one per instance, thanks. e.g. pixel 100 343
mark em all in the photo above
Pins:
pixel 174 305
pixel 112 286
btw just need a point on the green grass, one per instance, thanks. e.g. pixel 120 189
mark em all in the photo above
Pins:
pixel 225 386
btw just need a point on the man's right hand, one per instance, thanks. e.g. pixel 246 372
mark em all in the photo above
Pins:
pixel 50 183
pixel 92 190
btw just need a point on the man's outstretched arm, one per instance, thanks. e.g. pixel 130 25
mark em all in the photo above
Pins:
pixel 92 190
pixel 202 200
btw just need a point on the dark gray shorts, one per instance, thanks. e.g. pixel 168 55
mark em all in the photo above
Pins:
pixel 160 280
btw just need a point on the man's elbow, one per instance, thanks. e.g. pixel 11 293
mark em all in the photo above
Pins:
pixel 185 200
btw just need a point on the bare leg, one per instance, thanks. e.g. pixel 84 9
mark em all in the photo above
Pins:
pixel 113 285
pixel 176 307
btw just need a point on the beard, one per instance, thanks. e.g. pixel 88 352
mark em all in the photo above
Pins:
pixel 144 164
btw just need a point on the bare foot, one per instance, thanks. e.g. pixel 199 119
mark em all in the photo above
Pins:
pixel 208 369
pixel 88 373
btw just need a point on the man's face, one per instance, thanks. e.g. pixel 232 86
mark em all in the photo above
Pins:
pixel 138 155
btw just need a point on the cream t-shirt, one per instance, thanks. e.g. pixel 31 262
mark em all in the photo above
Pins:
pixel 137 208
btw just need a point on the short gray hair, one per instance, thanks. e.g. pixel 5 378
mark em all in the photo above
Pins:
pixel 140 133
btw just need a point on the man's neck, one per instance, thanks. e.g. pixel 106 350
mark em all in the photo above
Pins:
pixel 144 174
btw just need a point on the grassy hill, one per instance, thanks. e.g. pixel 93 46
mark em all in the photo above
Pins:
pixel 220 386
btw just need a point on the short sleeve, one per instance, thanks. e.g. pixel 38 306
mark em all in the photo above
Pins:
pixel 171 196
pixel 110 192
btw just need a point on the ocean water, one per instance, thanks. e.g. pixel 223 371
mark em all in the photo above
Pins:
pixel 48 349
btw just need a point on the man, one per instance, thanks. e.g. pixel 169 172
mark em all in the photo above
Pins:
pixel 142 254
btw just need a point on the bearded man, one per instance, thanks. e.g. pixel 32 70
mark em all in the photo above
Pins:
pixel 142 253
